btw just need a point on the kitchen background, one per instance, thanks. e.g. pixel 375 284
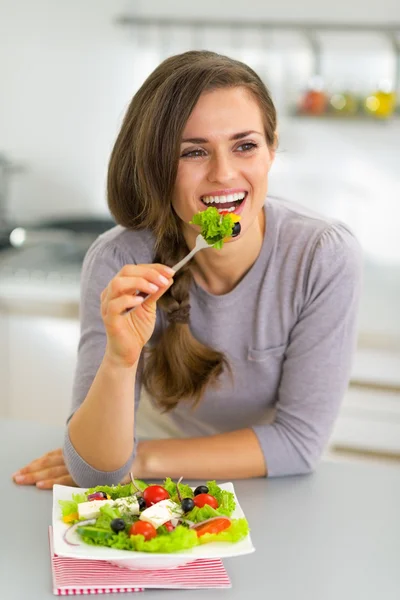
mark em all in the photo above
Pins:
pixel 67 73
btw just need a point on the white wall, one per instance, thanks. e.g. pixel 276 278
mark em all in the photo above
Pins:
pixel 65 77
pixel 67 73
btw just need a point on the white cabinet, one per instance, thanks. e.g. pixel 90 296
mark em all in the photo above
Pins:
pixel 37 367
pixel 4 364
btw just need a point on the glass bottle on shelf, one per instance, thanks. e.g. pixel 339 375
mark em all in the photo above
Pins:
pixel 314 100
pixel 343 100
pixel 382 102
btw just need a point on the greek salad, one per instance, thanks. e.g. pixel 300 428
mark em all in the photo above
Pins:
pixel 148 517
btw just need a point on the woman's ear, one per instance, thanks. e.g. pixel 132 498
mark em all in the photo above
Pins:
pixel 272 150
pixel 276 142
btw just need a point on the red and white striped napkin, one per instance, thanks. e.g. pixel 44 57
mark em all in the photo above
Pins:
pixel 75 576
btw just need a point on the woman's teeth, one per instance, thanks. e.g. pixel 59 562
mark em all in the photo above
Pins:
pixel 225 203
pixel 224 199
pixel 230 209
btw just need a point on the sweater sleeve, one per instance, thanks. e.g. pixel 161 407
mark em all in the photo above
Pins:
pixel 101 264
pixel 318 358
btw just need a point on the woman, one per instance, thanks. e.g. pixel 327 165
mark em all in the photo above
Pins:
pixel 247 350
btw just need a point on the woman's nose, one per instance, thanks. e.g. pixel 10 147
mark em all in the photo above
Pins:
pixel 221 169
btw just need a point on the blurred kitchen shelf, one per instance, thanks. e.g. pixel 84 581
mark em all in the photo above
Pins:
pixel 346 118
pixel 212 23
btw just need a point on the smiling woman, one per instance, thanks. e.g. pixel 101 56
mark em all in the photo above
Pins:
pixel 247 349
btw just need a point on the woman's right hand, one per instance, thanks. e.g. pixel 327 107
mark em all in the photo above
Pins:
pixel 127 334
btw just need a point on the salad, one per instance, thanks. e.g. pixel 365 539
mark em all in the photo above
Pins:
pixel 147 517
pixel 217 226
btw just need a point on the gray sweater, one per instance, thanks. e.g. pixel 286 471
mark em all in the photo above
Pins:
pixel 288 329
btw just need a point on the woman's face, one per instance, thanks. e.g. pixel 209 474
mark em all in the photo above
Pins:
pixel 224 158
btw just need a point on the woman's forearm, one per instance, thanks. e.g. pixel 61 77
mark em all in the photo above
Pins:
pixel 101 430
pixel 232 455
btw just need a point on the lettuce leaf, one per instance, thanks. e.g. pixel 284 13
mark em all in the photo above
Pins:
pixel 181 538
pixel 201 514
pixel 236 532
pixel 107 514
pixel 214 227
pixel 226 500
pixel 120 490
pixel 185 490
pixel 68 507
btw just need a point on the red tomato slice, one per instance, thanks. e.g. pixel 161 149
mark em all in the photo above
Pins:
pixel 147 530
pixel 201 499
pixel 169 526
pixel 214 526
pixel 154 494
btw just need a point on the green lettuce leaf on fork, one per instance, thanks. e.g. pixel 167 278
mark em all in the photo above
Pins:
pixel 214 227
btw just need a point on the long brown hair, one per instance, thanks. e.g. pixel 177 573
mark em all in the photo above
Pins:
pixel 141 178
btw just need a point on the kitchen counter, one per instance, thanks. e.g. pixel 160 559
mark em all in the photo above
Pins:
pixel 331 535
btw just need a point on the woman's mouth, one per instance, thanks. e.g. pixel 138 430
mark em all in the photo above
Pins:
pixel 231 203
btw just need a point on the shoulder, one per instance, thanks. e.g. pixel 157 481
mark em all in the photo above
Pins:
pixel 119 246
pixel 312 235
pixel 109 253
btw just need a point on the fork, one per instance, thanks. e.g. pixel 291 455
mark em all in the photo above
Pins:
pixel 201 244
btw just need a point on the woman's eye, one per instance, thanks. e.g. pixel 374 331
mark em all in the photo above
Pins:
pixel 193 153
pixel 246 147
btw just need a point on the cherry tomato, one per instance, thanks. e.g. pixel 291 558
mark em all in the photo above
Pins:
pixel 147 530
pixel 214 526
pixel 201 499
pixel 154 494
pixel 169 526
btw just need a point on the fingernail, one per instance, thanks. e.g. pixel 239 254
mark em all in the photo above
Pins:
pixel 163 280
pixel 19 479
pixel 15 474
pixel 153 287
pixel 169 271
pixel 40 484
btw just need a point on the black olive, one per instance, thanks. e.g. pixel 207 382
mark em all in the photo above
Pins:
pixel 201 489
pixel 117 525
pixel 104 494
pixel 187 505
pixel 142 503
pixel 235 231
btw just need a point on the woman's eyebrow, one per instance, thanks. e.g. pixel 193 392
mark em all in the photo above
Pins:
pixel 235 136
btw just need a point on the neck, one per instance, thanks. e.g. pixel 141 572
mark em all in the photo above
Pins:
pixel 219 271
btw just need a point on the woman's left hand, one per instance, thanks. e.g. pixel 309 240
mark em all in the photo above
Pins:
pixel 45 471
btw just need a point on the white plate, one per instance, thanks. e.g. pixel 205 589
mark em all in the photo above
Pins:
pixel 141 560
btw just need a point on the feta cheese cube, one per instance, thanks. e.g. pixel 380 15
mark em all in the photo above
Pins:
pixel 160 513
pixel 91 510
pixel 129 505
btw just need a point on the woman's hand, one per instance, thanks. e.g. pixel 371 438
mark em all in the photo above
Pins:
pixel 127 334
pixel 45 471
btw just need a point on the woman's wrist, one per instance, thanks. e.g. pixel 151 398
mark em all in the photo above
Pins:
pixel 113 363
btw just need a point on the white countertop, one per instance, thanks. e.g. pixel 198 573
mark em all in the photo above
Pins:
pixel 331 535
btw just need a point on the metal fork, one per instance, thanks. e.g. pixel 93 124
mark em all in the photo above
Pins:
pixel 201 244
